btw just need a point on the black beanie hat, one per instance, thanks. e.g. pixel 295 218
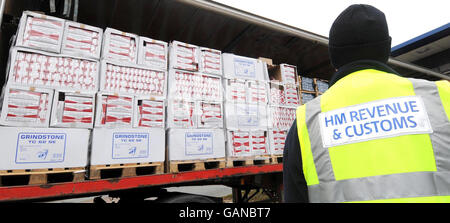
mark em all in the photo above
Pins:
pixel 360 32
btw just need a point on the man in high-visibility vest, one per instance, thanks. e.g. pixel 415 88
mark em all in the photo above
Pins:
pixel 373 136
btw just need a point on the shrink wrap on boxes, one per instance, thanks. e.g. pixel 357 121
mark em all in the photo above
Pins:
pixel 307 84
pixel 246 116
pixel 181 114
pixel 281 117
pixel 321 85
pixel 235 90
pixel 25 106
pixel 257 92
pixel 305 97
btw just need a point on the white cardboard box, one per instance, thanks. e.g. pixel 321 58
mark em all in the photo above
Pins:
pixel 195 144
pixel 189 85
pixel 82 40
pixel 30 67
pixel 247 143
pixel 246 116
pixel 73 109
pixel 289 73
pixel 181 114
pixel 184 56
pixel 25 106
pixel 114 110
pixel 243 67
pixel 235 90
pixel 210 114
pixel 119 46
pixel 127 145
pixel 257 92
pixel 210 61
pixel 277 139
pixel 40 32
pixel 281 117
pixel 149 113
pixel 238 144
pixel 36 148
pixel 152 53
pixel 128 78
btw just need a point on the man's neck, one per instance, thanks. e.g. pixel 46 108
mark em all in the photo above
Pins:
pixel 360 65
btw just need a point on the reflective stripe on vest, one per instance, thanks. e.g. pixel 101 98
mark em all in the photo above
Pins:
pixel 377 170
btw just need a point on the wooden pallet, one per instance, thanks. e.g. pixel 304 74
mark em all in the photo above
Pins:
pixel 125 170
pixel 248 161
pixel 276 159
pixel 41 176
pixel 195 165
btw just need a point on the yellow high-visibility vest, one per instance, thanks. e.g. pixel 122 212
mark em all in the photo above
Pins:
pixel 377 137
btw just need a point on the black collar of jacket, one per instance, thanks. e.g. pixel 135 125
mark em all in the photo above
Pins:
pixel 360 65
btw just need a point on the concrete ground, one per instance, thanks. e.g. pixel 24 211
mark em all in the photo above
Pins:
pixel 210 190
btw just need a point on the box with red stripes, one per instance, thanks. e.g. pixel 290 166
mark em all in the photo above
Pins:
pixel 152 53
pixel 36 68
pixel 235 90
pixel 26 106
pixel 149 113
pixel 194 86
pixel 73 110
pixel 277 138
pixel 114 110
pixel 245 143
pixel 82 40
pixel 238 143
pixel 121 77
pixel 210 61
pixel 119 46
pixel 40 32
pixel 257 92
pixel 181 114
pixel 210 114
pixel 184 56
pixel 281 117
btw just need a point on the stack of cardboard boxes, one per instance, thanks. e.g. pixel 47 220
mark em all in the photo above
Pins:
pixel 195 104
pixel 130 112
pixel 246 98
pixel 77 96
pixel 283 103
pixel 52 80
